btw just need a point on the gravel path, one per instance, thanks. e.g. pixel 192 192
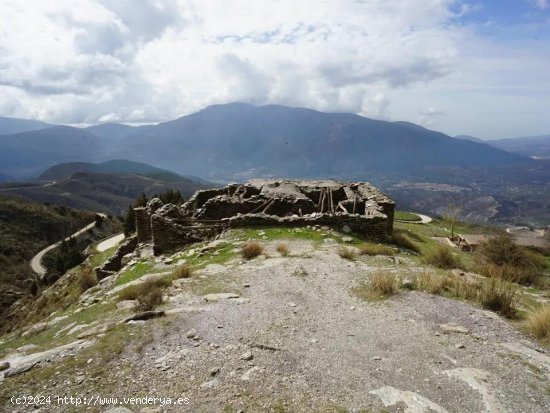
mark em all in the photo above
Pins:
pixel 289 335
pixel 316 347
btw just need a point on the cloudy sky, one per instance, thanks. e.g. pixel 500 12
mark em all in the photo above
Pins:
pixel 477 67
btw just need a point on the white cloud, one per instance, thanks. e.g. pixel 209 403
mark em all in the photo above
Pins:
pixel 103 60
pixel 89 61
pixel 541 4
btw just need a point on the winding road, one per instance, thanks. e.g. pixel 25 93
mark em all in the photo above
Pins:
pixel 424 219
pixel 109 242
pixel 36 261
pixel 28 187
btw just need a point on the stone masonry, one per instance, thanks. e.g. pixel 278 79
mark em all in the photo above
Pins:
pixel 358 207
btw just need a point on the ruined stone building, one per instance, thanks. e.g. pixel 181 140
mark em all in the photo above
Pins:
pixel 358 207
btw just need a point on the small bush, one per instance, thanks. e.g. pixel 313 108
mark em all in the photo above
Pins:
pixel 150 299
pixel 252 250
pixel 498 295
pixel 283 249
pixel 538 322
pixel 347 253
pixel 404 241
pixel 182 271
pixel 376 249
pixel 442 257
pixel 87 279
pixel 500 257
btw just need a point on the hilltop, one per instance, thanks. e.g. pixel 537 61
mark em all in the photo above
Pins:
pixel 232 330
pixel 108 187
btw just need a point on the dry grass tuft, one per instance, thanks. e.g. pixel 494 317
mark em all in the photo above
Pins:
pixel 442 257
pixel 182 271
pixel 381 284
pixel 251 250
pixel 538 322
pixel 500 296
pixel 150 299
pixel 347 253
pixel 431 283
pixel 133 292
pixel 283 249
pixel 87 279
pixel 376 249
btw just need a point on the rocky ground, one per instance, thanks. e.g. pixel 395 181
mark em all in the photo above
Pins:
pixel 283 334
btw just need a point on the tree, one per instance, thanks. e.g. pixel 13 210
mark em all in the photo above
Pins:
pixel 130 221
pixel 452 215
pixel 141 201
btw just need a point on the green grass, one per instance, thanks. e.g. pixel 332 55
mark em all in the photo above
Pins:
pixel 98 258
pixel 137 271
pixel 406 216
pixel 277 233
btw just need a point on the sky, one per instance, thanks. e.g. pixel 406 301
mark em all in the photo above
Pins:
pixel 473 67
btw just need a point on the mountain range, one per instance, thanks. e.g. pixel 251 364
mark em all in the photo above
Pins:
pixel 231 141
pixel 235 142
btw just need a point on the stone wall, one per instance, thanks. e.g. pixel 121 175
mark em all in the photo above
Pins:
pixel 143 224
pixel 169 236
pixel 358 206
pixel 374 227
pixel 114 263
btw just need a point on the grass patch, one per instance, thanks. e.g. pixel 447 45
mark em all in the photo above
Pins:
pixel 406 216
pixel 251 250
pixel 442 257
pixel 347 253
pixel 372 249
pixel 137 271
pixel 538 322
pixel 97 258
pixel 404 239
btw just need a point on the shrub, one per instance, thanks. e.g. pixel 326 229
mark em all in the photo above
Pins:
pixel 498 295
pixel 376 249
pixel 87 279
pixel 347 253
pixel 403 240
pixel 182 271
pixel 283 249
pixel 442 257
pixel 501 257
pixel 538 322
pixel 251 250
